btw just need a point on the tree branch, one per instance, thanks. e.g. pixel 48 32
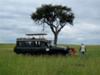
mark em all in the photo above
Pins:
pixel 52 29
pixel 61 27
pixel 49 23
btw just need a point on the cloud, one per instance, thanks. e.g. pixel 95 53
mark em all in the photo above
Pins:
pixel 15 20
pixel 85 33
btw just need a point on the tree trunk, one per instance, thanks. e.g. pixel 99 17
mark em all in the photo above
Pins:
pixel 55 39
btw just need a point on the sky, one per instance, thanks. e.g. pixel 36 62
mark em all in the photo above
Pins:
pixel 15 21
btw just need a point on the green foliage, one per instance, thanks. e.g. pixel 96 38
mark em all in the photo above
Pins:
pixel 49 14
pixel 13 64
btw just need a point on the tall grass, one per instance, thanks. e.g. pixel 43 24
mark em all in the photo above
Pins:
pixel 13 64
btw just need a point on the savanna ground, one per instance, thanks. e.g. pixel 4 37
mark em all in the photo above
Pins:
pixel 13 64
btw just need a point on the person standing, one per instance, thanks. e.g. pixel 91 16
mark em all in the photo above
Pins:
pixel 82 49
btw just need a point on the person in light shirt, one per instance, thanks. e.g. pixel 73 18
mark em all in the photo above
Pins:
pixel 82 49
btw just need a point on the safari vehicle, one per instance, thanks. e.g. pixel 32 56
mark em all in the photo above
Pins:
pixel 37 45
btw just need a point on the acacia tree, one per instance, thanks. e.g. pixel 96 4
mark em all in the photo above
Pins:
pixel 55 16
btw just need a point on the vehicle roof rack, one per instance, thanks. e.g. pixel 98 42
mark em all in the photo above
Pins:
pixel 38 34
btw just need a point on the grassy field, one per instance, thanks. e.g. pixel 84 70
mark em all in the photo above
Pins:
pixel 13 64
